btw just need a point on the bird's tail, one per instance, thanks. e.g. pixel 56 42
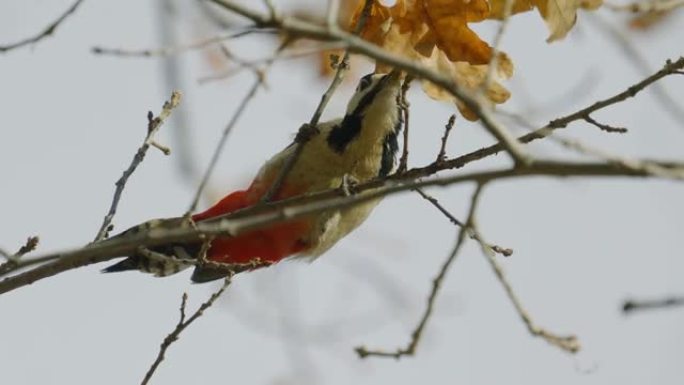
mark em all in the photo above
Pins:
pixel 161 261
pixel 159 267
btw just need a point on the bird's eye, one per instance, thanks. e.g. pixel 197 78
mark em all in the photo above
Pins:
pixel 364 82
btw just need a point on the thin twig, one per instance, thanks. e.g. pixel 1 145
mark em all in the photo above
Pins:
pixel 410 348
pixel 669 68
pixel 441 155
pixel 182 325
pixel 307 131
pixel 49 30
pixel 439 207
pixel 251 64
pixel 258 81
pixel 13 260
pixel 631 49
pixel 627 163
pixel 568 343
pixel 506 252
pixel 632 305
pixel 153 125
pixel 605 127
pixel 174 50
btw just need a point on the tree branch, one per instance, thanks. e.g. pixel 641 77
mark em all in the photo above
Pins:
pixel 49 30
pixel 410 348
pixel 568 343
pixel 632 305
pixel 182 325
pixel 153 125
pixel 266 214
pixel 13 260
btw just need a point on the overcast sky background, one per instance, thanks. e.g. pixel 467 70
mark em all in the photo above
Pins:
pixel 70 121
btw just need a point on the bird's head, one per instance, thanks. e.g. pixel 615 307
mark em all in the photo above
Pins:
pixel 372 114
pixel 376 94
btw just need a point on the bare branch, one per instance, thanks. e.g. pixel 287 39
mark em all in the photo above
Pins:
pixel 506 252
pixel 439 207
pixel 49 30
pixel 605 127
pixel 251 64
pixel 410 348
pixel 631 50
pixel 182 325
pixel 632 305
pixel 669 68
pixel 263 215
pixel 631 164
pixel 441 155
pixel 13 260
pixel 168 51
pixel 568 343
pixel 153 125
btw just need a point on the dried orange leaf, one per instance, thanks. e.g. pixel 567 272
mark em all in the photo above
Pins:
pixel 373 28
pixel 436 34
pixel 448 21
pixel 470 77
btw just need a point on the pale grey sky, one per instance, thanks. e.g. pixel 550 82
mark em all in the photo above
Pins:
pixel 70 121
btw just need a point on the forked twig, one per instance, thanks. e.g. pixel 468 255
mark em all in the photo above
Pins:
pixel 410 348
pixel 569 343
pixel 153 125
pixel 13 259
pixel 182 325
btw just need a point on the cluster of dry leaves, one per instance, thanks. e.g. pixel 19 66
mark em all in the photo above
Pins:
pixel 436 33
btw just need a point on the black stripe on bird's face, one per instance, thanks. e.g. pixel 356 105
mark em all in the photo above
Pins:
pixel 390 146
pixel 344 133
pixel 367 99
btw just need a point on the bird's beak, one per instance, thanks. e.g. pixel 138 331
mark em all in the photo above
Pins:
pixel 394 77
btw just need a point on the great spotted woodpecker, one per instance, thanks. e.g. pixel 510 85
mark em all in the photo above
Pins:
pixel 360 146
